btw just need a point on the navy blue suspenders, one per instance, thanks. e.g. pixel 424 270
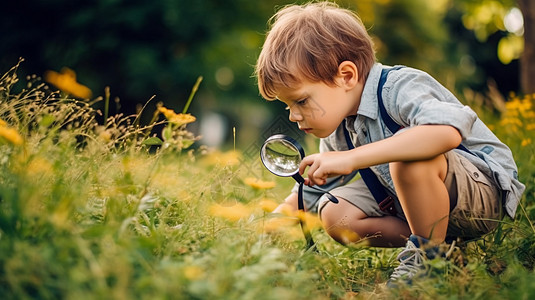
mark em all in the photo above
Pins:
pixel 384 200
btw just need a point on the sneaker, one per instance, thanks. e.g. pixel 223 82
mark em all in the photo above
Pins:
pixel 411 261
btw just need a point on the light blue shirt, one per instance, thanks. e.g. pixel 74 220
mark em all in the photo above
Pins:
pixel 411 98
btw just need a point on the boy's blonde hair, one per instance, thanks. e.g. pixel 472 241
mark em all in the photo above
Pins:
pixel 309 42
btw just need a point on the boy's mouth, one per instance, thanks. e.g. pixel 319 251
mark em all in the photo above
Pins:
pixel 306 130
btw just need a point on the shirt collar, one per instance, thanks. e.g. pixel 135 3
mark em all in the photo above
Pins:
pixel 369 105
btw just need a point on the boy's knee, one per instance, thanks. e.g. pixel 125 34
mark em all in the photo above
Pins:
pixel 409 171
pixel 339 223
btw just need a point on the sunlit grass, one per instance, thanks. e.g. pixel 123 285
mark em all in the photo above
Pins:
pixel 101 211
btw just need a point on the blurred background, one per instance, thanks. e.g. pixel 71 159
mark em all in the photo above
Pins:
pixel 142 48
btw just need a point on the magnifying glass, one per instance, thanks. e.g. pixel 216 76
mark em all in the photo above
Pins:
pixel 281 155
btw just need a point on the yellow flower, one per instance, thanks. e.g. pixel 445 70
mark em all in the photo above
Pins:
pixel 311 220
pixel 511 122
pixel 348 236
pixel 2 123
pixel 268 205
pixel 66 81
pixel 193 272
pixel 279 224
pixel 229 158
pixel 259 184
pixel 174 118
pixel 105 136
pixel 40 166
pixel 231 213
pixel 526 142
pixel 181 119
pixel 10 135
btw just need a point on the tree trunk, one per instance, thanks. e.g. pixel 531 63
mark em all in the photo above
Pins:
pixel 527 61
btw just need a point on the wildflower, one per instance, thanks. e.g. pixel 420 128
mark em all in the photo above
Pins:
pixel 515 122
pixel 10 135
pixel 348 236
pixel 229 158
pixel 258 184
pixel 268 205
pixel 39 166
pixel 526 142
pixel 231 213
pixel 174 118
pixel 279 224
pixel 193 272
pixel 66 82
pixel 312 220
pixel 105 135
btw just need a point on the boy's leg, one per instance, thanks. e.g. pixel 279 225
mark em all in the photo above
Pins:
pixel 342 219
pixel 479 201
pixel 423 195
pixel 357 216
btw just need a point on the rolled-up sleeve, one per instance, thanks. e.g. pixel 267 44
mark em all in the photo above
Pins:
pixel 421 100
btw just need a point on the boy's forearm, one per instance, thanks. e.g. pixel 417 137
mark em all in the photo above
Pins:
pixel 416 143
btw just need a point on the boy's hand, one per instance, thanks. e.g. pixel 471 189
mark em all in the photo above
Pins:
pixel 324 165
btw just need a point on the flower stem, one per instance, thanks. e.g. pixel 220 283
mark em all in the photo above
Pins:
pixel 193 91
pixel 106 103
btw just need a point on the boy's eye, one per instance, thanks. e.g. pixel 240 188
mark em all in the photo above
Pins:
pixel 298 103
pixel 301 102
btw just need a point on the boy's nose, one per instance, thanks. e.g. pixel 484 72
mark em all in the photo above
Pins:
pixel 295 116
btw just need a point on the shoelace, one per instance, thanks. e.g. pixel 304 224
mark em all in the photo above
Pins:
pixel 411 261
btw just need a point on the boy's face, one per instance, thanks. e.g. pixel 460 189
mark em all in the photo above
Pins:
pixel 318 108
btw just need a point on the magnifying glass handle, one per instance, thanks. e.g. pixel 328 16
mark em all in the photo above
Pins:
pixel 300 179
pixel 331 198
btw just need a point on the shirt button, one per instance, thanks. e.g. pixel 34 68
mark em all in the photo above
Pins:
pixel 476 174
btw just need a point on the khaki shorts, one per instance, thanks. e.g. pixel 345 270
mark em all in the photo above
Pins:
pixel 478 206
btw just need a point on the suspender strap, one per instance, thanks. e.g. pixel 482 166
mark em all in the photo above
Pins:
pixel 391 124
pixel 385 201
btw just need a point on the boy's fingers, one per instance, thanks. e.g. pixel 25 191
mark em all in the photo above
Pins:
pixel 308 160
pixel 314 178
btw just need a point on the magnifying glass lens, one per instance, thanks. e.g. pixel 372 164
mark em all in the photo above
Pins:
pixel 281 157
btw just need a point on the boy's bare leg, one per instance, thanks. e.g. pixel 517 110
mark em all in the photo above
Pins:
pixel 387 231
pixel 289 205
pixel 423 196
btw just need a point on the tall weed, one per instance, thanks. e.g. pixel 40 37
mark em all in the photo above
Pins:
pixel 109 210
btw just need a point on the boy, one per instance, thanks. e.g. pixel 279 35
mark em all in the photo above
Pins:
pixel 319 60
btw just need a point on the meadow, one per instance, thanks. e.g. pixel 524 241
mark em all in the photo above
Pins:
pixel 95 209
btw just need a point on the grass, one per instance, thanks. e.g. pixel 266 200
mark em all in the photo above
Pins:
pixel 107 211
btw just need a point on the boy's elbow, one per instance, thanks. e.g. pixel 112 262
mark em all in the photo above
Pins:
pixel 454 137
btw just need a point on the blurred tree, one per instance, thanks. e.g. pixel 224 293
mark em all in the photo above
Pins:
pixel 138 47
pixel 513 28
pixel 528 56
pixel 429 35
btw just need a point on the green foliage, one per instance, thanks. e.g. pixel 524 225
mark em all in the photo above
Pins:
pixel 91 211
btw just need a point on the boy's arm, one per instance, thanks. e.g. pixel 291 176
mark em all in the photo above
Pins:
pixel 416 143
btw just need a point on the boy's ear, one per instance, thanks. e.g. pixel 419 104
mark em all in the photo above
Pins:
pixel 348 74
